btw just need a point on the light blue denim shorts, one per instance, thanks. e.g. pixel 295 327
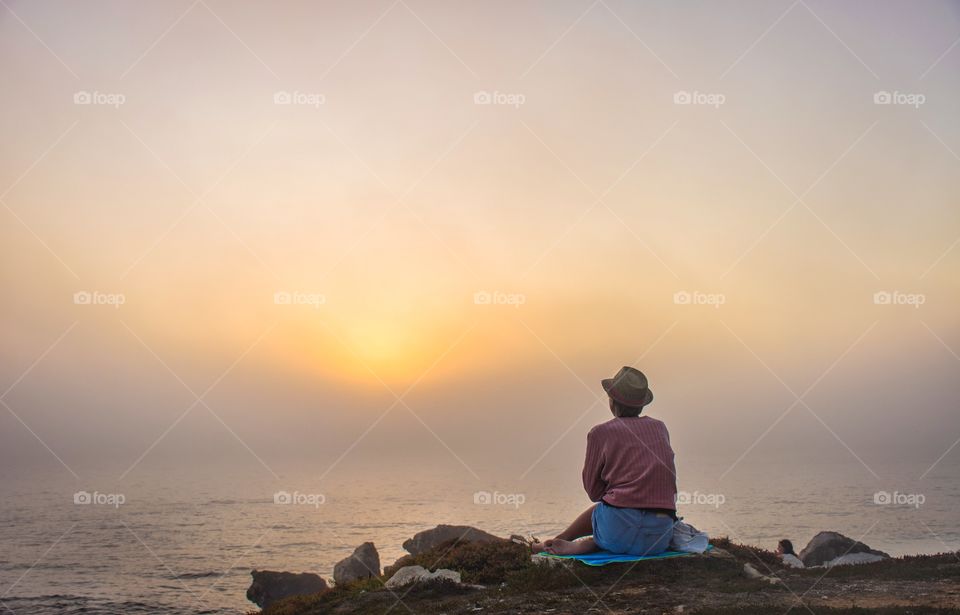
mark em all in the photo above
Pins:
pixel 631 531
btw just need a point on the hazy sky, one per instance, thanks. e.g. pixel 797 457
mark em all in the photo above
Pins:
pixel 391 166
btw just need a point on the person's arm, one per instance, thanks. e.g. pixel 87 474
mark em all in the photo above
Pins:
pixel 593 484
pixel 672 460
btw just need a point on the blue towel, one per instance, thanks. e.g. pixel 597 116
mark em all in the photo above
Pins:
pixel 602 558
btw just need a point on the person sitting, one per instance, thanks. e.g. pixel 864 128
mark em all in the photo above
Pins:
pixel 629 473
pixel 787 554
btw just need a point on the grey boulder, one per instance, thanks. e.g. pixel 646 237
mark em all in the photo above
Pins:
pixel 268 586
pixel 363 563
pixel 428 539
pixel 828 546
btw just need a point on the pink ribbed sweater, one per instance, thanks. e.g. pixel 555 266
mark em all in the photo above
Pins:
pixel 629 463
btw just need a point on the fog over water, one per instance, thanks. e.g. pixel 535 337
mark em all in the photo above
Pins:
pixel 385 253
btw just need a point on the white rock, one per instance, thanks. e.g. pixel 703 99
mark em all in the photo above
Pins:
pixel 405 576
pixel 418 574
pixel 443 573
pixel 547 560
pixel 753 573
pixel 854 558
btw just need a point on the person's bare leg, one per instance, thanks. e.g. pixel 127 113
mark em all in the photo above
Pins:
pixel 581 526
pixel 559 546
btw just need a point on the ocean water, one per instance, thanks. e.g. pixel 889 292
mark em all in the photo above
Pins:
pixel 185 542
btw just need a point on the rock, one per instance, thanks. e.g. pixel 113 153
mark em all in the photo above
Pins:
pixel 269 586
pixel 753 573
pixel 718 553
pixel 854 558
pixel 547 560
pixel 827 546
pixel 362 564
pixel 405 560
pixel 428 539
pixel 418 574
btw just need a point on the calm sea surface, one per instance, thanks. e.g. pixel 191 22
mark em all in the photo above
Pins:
pixel 186 542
